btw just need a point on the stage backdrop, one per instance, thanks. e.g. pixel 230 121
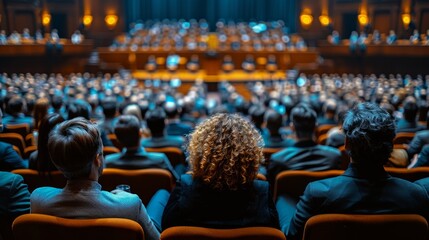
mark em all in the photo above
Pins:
pixel 213 10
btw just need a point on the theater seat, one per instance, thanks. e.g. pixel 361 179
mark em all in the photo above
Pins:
pixel 143 182
pixel 292 183
pixel 201 233
pixel 45 227
pixel 34 179
pixel 366 227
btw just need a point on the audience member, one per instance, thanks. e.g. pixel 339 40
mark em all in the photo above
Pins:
pixel 305 154
pixel 40 111
pixel 14 201
pixel 408 123
pixel 221 191
pixel 155 120
pixel 365 187
pixel 420 139
pixel 329 111
pixel 76 150
pixel 15 109
pixel 133 156
pixel 110 110
pixel 273 122
pixel 40 159
pixel 9 158
pixel 174 126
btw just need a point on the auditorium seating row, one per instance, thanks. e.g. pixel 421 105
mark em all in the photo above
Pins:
pixel 146 182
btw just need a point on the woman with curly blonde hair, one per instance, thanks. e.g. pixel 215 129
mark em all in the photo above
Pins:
pixel 221 190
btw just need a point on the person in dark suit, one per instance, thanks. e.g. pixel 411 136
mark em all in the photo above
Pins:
pixel 365 187
pixel 329 112
pixel 174 126
pixel 416 145
pixel 271 133
pixel 9 158
pixel 14 201
pixel 408 123
pixel 221 191
pixel 155 120
pixel 15 108
pixel 422 159
pixel 133 156
pixel 305 154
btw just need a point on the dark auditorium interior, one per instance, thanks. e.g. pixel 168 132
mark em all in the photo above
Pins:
pixel 214 119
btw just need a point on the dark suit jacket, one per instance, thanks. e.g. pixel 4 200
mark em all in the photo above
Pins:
pixel 419 140
pixel 165 141
pixel 304 155
pixel 358 192
pixel 9 158
pixel 192 203
pixel 276 141
pixel 139 159
pixel 14 201
pixel 423 158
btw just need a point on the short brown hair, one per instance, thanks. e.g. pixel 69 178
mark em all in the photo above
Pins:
pixel 73 145
pixel 225 152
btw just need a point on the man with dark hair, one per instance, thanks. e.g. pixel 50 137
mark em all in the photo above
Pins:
pixel 133 156
pixel 77 151
pixel 174 126
pixel 15 107
pixel 273 121
pixel 329 111
pixel 305 154
pixel 365 187
pixel 408 123
pixel 110 109
pixel 256 113
pixel 155 120
pixel 78 108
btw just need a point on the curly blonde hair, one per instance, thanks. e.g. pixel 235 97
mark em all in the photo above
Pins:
pixel 225 152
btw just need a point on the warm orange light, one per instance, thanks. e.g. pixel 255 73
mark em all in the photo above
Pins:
pixel 324 20
pixel 406 19
pixel 87 20
pixel 46 19
pixel 306 19
pixel 363 19
pixel 111 20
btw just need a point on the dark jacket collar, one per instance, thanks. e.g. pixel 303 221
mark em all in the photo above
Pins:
pixel 357 171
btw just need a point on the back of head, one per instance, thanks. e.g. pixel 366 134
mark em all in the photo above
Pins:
pixel 127 130
pixel 369 131
pixel 155 120
pixel 15 105
pixel 304 120
pixel 47 124
pixel 171 109
pixel 79 108
pixel 225 152
pixel 57 102
pixel 330 107
pixel 256 113
pixel 110 107
pixel 73 145
pixel 410 110
pixel 133 109
pixel 273 120
pixel 40 111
